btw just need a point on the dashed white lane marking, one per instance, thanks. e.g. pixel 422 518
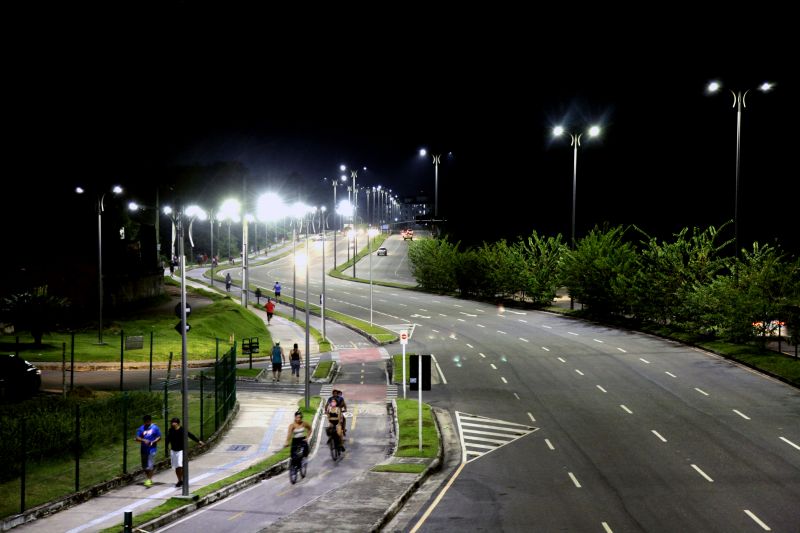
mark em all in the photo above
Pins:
pixel 790 443
pixel 757 520
pixel 522 320
pixel 562 360
pixel 671 374
pixel 442 314
pixel 403 305
pixel 423 310
pixel 657 434
pixel 549 444
pixel 467 314
pixel 574 479
pixel 621 350
pixel 523 340
pixel 461 320
pixel 548 327
pixel 606 527
pixel 493 367
pixel 516 396
pixel 702 473
pixel 480 325
pixel 394 294
pixel 435 330
pixel 701 391
pixel 504 379
pixel 456 305
pixel 644 360
pixel 578 371
pixel 479 353
pixel 531 417
pixel 545 348
pixel 468 344
pixel 626 409
pixel 501 332
pixel 602 389
pixel 413 297
pixel 741 414
pixel 436 301
pixel 597 340
pixel 572 333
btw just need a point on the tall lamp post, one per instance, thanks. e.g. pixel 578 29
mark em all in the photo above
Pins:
pixel 739 103
pixel 436 160
pixel 370 235
pixel 230 211
pixel 100 208
pixel 323 219
pixel 575 142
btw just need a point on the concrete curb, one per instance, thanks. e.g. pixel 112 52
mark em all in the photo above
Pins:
pixel 331 374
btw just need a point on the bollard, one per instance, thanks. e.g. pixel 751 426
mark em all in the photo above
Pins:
pixel 127 523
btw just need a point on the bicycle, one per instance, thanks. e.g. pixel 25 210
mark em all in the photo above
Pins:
pixel 298 464
pixel 335 444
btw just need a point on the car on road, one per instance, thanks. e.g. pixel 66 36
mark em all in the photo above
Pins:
pixel 407 234
pixel 18 378
pixel 382 251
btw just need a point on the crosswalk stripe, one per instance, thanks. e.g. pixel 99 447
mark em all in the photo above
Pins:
pixel 484 439
pixel 495 420
pixel 478 442
pixel 479 432
pixel 499 428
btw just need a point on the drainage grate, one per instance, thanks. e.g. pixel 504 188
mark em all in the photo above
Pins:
pixel 238 447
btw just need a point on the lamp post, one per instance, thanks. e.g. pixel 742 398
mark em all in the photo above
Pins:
pixel 575 142
pixel 739 103
pixel 370 235
pixel 322 220
pixel 100 208
pixel 229 210
pixel 354 175
pixel 436 160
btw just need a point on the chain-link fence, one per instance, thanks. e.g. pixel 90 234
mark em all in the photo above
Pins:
pixel 55 447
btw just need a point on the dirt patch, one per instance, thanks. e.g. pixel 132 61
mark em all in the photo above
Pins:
pixel 195 301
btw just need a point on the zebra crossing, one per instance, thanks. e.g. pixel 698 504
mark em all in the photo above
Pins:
pixel 481 435
pixel 391 393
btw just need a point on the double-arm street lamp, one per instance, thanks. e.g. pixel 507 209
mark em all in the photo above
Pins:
pixel 739 103
pixel 100 208
pixel 436 160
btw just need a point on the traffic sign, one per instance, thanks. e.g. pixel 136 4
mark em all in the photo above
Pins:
pixel 404 337
pixel 178 310
pixel 178 327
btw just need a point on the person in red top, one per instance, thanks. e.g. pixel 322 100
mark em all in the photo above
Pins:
pixel 270 309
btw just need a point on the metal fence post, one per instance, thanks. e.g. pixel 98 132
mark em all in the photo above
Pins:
pixel 72 361
pixel 127 525
pixel 202 420
pixel 22 460
pixel 150 378
pixel 64 369
pixel 77 447
pixel 125 433
pixel 121 355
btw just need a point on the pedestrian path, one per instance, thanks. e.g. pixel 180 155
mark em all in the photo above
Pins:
pixel 481 435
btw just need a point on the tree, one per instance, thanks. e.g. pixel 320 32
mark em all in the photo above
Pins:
pixel 35 311
pixel 542 258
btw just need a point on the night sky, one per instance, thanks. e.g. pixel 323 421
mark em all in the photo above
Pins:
pixel 130 107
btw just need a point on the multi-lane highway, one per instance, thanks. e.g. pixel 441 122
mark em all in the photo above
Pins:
pixel 633 433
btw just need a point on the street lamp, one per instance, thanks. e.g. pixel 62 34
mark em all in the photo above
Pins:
pixel 370 235
pixel 116 189
pixel 436 160
pixel 298 211
pixel 575 142
pixel 739 103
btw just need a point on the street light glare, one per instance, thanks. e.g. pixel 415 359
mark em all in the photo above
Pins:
pixel 713 87
pixel 79 190
pixel 342 167
pixel 766 87
pixel 344 178
pixel 300 260
pixel 230 209
pixel 558 131
pixel 167 210
pixel 423 152
pixel 117 189
pixel 133 206
pixel 594 131
pixel 196 211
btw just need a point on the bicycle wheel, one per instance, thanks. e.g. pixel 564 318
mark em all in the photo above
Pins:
pixel 334 449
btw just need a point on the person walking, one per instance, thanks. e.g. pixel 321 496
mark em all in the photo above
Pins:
pixel 149 435
pixel 277 290
pixel 175 444
pixel 228 282
pixel 270 306
pixel 277 361
pixel 294 361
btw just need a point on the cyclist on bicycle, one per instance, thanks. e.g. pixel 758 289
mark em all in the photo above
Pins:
pixel 337 395
pixel 334 420
pixel 298 431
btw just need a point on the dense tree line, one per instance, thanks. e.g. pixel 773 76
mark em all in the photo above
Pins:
pixel 690 281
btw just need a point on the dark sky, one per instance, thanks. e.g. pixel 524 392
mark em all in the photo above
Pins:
pixel 105 103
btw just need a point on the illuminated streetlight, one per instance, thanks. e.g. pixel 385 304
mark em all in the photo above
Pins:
pixel 370 235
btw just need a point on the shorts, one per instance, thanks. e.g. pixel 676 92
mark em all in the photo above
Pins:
pixel 148 458
pixel 269 315
pixel 176 458
pixel 276 367
pixel 296 368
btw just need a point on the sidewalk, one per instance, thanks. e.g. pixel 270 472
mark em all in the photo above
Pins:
pixel 257 432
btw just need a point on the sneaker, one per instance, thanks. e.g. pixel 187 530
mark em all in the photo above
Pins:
pixel 179 484
pixel 148 482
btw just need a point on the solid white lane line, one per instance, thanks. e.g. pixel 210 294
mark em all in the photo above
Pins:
pixel 504 379
pixel 578 371
pixel 549 444
pixel 479 353
pixel 671 374
pixel 621 350
pixel 468 344
pixel 574 479
pixel 701 391
pixel 657 434
pixel 602 389
pixel 493 367
pixel 790 443
pixel 516 396
pixel 438 498
pixel 757 520
pixel 606 527
pixel 626 409
pixel 435 330
pixel 531 417
pixel 597 340
pixel 644 360
pixel 703 473
pixel 563 361
pixel 545 348
pixel 548 327
pixel 501 332
pixel 439 369
pixel 572 333
pixel 522 320
pixel 523 340
pixel 741 414
pixel 480 325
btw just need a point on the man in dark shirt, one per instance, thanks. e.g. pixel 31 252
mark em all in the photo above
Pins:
pixel 175 444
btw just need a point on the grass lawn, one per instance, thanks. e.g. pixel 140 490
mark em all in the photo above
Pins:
pixel 397 371
pixel 221 319
pixel 248 372
pixel 323 369
pixel 408 443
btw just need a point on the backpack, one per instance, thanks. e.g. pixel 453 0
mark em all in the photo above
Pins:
pixel 276 355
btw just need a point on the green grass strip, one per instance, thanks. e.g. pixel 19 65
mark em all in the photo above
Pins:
pixel 397 371
pixel 408 443
pixel 323 369
pixel 402 468
pixel 248 372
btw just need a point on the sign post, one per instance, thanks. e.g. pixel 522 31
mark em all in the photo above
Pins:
pixel 419 392
pixel 403 342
